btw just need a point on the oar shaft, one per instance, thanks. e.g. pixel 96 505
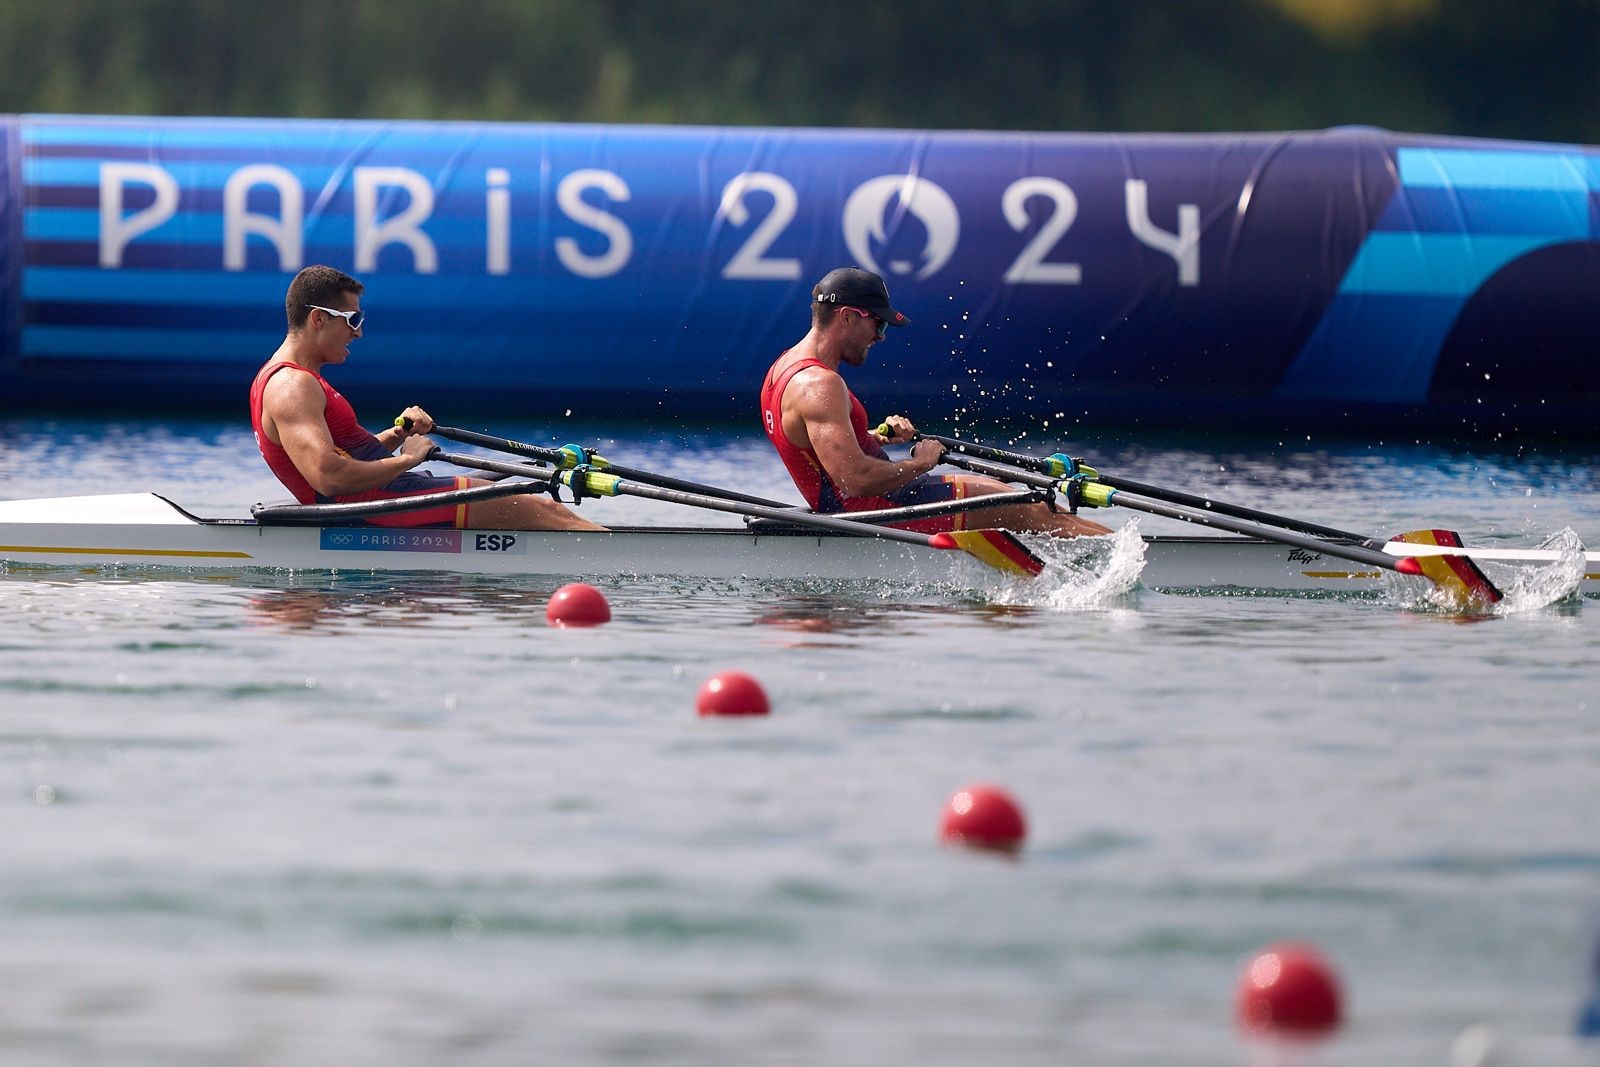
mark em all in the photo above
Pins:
pixel 975 457
pixel 998 549
pixel 498 466
pixel 616 484
pixel 1354 553
pixel 963 505
pixel 1208 505
pixel 1110 495
pixel 562 458
pixel 499 444
pixel 1001 472
pixel 999 455
pixel 1101 490
pixel 781 514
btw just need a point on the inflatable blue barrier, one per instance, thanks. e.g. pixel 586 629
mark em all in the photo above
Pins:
pixel 1352 278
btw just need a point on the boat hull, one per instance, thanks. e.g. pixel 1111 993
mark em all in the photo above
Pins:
pixel 147 530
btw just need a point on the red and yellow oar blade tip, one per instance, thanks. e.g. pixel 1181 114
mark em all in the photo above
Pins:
pixel 1457 574
pixel 999 549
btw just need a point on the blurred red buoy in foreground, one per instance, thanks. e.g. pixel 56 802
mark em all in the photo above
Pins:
pixel 983 816
pixel 1288 989
pixel 732 693
pixel 578 604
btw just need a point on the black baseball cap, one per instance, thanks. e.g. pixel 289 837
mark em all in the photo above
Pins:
pixel 857 288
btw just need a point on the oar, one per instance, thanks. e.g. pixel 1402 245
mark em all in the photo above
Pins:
pixel 568 457
pixel 1081 492
pixel 999 549
pixel 1060 465
pixel 1457 573
pixel 1063 466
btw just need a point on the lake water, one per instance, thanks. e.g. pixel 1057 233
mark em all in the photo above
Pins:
pixel 391 819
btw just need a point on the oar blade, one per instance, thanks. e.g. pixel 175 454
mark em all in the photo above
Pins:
pixel 1455 573
pixel 1000 549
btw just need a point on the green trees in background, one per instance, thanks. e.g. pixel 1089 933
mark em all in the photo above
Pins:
pixel 1508 68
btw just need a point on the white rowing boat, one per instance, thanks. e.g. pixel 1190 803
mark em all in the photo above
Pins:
pixel 144 529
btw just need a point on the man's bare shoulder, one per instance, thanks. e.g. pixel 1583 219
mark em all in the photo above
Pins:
pixel 817 389
pixel 291 390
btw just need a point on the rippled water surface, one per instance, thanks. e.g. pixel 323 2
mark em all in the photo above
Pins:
pixel 396 819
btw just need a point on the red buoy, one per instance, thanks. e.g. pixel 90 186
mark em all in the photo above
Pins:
pixel 983 816
pixel 732 693
pixel 1288 989
pixel 578 604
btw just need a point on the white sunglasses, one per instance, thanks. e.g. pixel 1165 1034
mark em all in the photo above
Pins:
pixel 352 319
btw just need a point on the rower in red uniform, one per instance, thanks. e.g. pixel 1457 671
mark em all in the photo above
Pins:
pixel 820 429
pixel 309 436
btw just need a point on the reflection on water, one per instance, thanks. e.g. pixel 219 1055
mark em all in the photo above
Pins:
pixel 835 614
pixel 335 603
pixel 818 616
pixel 838 620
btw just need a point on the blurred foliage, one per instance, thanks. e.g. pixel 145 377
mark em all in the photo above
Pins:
pixel 1509 68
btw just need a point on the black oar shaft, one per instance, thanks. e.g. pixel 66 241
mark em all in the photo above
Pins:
pixel 782 513
pixel 1354 553
pixel 969 454
pixel 1003 473
pixel 557 456
pixel 999 455
pixel 1120 498
pixel 1206 504
pixel 961 505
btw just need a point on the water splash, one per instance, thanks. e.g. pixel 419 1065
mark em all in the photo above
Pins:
pixel 1525 587
pixel 1531 588
pixel 1083 573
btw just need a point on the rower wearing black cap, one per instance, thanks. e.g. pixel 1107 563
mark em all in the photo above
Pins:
pixel 821 430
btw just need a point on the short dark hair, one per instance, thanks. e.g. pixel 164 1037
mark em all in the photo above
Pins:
pixel 317 284
pixel 823 313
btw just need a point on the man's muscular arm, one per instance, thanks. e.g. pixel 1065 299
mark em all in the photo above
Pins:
pixel 822 402
pixel 293 405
